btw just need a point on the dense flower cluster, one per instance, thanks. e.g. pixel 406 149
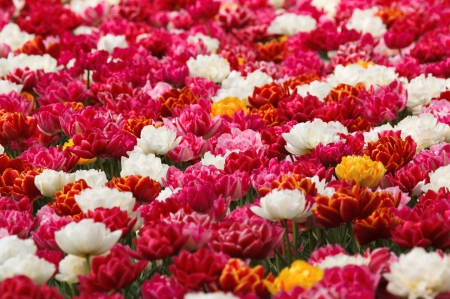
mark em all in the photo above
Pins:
pixel 224 149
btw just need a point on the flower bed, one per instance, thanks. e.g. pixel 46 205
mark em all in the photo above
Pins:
pixel 224 149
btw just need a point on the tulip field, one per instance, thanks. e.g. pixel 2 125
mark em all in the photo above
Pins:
pixel 224 149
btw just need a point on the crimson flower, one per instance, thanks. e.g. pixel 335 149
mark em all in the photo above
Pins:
pixel 199 269
pixel 111 272
pixel 158 241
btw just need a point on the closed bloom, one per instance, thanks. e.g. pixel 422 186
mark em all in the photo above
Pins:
pixel 70 267
pixel 212 67
pixel 86 238
pixel 39 270
pixel 303 137
pixel 284 204
pixel 419 274
pixel 49 181
pixel 362 170
pixel 104 197
pixel 156 141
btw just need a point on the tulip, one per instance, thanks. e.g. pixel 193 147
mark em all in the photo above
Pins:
pixel 162 287
pixel 86 238
pixel 245 240
pixel 16 126
pixel 39 270
pixel 71 267
pixel 49 181
pixel 228 106
pixel 44 236
pixel 144 189
pixel 199 269
pixel 24 185
pixel 176 99
pixel 159 241
pixel 345 205
pixel 114 219
pixel 362 170
pixel 285 204
pixel 239 278
pixel 21 286
pixel 64 202
pixel 12 246
pixel 104 197
pixel 111 272
pixel 300 273
pixel 200 198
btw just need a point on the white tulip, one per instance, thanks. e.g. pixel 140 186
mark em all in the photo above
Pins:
pixel 303 137
pixel 94 178
pixel 50 181
pixel 212 67
pixel 145 165
pixel 284 204
pixel 104 197
pixel 419 274
pixel 291 24
pixel 156 141
pixel 70 267
pixel 11 246
pixel 86 238
pixel 37 269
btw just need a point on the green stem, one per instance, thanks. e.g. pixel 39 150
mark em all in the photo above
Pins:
pixel 277 262
pixel 88 264
pixel 288 243
pixel 355 244
pixel 333 236
pixel 311 245
pixel 295 239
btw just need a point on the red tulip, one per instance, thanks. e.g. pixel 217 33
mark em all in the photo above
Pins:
pixel 159 241
pixel 111 272
pixel 199 269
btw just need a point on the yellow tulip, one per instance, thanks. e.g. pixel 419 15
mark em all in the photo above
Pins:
pixel 228 106
pixel 299 274
pixel 362 170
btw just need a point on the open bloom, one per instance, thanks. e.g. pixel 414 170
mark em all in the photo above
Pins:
pixel 104 197
pixel 284 204
pixel 144 165
pixel 39 270
pixel 212 67
pixel 49 181
pixel 86 238
pixel 303 137
pixel 419 274
pixel 299 274
pixel 156 141
pixel 291 24
pixel 70 267
pixel 438 179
